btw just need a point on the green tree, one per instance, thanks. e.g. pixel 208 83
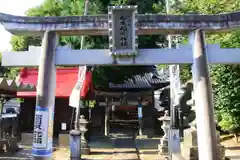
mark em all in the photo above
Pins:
pixel 9 73
pixel 225 78
pixel 101 75
pixel 2 69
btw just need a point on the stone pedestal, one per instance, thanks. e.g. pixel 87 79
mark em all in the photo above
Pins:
pixel 189 147
pixel 163 146
pixel 75 142
pixel 83 129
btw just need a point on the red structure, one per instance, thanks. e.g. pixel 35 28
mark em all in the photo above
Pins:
pixel 65 80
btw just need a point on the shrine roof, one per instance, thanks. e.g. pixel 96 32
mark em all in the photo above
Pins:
pixel 67 77
pixel 146 81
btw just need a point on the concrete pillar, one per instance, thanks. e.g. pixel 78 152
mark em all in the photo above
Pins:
pixel 44 113
pixel 206 128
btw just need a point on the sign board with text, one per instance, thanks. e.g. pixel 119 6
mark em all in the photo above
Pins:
pixel 122 30
pixel 40 132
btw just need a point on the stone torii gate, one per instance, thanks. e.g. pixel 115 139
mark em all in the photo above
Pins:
pixel 123 25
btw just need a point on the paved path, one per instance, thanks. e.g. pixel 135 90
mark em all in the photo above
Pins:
pixel 125 147
pixel 120 146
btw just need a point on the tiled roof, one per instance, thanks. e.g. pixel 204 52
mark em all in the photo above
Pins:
pixel 144 81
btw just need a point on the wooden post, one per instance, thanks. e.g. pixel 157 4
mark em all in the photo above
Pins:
pixel 106 125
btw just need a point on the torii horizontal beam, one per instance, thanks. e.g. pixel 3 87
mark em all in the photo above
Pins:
pixel 148 24
pixel 68 57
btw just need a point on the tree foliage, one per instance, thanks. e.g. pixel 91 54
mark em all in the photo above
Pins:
pixel 9 73
pixel 225 78
pixel 101 74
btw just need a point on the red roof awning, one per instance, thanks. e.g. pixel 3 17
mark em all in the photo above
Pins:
pixel 66 79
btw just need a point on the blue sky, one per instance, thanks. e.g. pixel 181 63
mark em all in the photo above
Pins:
pixel 15 7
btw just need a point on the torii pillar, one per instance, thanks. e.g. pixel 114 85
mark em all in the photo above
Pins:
pixel 44 113
pixel 206 127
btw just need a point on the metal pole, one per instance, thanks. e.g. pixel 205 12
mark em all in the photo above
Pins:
pixel 75 140
pixel 82 44
pixel 169 37
pixel 85 14
pixel 43 123
pixel 174 146
pixel 174 78
pixel 206 129
pixel 77 115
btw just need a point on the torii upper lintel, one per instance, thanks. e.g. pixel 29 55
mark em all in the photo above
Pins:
pixel 148 24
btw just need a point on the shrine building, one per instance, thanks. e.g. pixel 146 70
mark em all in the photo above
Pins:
pixel 117 102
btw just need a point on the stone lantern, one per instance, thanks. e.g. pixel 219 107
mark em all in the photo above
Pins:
pixel 83 129
pixel 163 146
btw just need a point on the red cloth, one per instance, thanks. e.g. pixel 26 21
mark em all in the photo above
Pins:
pixel 66 79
